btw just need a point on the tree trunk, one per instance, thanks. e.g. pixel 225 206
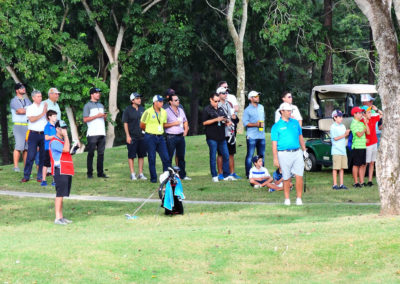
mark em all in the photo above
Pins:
pixel 328 63
pixel 112 104
pixel 371 65
pixel 241 78
pixel 388 162
pixel 5 149
pixel 238 39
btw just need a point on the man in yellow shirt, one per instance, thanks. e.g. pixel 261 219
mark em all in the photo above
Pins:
pixel 152 122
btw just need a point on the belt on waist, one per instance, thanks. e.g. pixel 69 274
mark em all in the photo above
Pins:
pixel 154 134
pixel 20 123
pixel 38 132
pixel 180 134
pixel 291 150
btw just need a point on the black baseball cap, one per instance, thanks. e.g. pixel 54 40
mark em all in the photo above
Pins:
pixel 256 158
pixel 94 90
pixel 19 86
pixel 60 123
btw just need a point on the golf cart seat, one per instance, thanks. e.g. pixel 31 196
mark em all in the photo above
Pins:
pixel 325 123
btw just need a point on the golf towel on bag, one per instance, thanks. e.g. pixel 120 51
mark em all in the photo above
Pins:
pixel 169 196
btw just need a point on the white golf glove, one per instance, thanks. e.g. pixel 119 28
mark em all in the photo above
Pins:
pixel 305 154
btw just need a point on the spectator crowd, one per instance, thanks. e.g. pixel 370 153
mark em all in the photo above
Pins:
pixel 41 136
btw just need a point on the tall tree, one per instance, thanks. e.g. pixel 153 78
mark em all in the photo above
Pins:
pixel 113 50
pixel 327 70
pixel 380 19
pixel 238 39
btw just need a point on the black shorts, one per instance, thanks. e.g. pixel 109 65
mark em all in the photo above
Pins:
pixel 46 161
pixel 359 157
pixel 231 148
pixel 137 148
pixel 63 183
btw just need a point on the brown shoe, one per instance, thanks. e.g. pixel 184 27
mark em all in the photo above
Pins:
pixel 24 180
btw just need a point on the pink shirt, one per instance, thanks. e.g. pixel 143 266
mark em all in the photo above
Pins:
pixel 173 116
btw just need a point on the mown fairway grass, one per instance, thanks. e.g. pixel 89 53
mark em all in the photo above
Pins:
pixel 231 244
pixel 336 241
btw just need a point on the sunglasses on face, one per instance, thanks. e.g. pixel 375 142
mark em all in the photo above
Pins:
pixel 289 97
pixel 216 101
pixel 177 100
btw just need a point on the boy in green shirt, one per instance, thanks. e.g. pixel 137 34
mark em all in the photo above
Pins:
pixel 359 146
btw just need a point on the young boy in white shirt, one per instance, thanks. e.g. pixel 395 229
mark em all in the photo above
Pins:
pixel 259 176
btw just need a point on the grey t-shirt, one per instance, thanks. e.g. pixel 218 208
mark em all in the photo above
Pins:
pixel 16 104
pixel 96 126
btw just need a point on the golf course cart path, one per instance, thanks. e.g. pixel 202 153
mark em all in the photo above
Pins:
pixel 133 200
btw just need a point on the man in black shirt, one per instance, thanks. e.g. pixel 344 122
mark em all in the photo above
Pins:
pixel 214 121
pixel 134 135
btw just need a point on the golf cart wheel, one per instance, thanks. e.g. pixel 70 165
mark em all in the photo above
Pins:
pixel 310 164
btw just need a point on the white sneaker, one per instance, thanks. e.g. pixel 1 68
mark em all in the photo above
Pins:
pixel 257 186
pixel 287 202
pixel 215 179
pixel 229 178
pixel 17 170
pixel 133 176
pixel 298 201
pixel 187 178
pixel 141 176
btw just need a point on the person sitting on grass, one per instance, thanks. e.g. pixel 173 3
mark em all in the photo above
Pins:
pixel 259 176
pixel 62 168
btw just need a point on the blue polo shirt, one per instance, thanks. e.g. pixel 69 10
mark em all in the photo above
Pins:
pixel 253 115
pixel 286 134
pixel 50 130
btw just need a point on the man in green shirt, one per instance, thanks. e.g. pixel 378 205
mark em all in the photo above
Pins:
pixel 152 122
pixel 359 146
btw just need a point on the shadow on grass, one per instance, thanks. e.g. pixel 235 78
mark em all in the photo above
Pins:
pixel 14 210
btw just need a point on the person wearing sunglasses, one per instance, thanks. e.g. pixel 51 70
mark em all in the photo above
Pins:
pixel 176 128
pixel 287 97
pixel 230 133
pixel 214 120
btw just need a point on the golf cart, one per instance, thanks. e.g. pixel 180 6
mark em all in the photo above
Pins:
pixel 323 101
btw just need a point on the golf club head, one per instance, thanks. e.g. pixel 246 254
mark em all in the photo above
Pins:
pixel 130 217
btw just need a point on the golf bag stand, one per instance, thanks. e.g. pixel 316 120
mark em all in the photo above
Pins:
pixel 173 181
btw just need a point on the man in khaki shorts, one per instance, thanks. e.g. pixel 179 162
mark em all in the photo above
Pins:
pixel 338 135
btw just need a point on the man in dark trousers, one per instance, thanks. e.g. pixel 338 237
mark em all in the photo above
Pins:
pixel 94 116
pixel 134 135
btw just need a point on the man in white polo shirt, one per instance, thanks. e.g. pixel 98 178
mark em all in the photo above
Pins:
pixel 94 116
pixel 36 114
pixel 18 107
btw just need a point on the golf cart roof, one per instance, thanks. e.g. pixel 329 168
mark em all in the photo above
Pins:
pixel 346 88
pixel 339 92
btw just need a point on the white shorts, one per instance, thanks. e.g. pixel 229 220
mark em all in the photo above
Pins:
pixel 372 150
pixel 291 163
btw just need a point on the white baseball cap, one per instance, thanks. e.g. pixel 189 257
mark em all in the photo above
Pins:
pixel 157 98
pixel 285 106
pixel 222 90
pixel 366 98
pixel 253 94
